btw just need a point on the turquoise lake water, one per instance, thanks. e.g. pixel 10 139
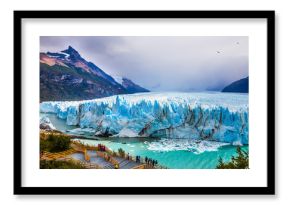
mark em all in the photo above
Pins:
pixel 171 153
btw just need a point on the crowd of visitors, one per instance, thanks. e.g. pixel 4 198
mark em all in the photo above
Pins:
pixel 148 161
pixel 101 147
pixel 151 162
pixel 138 159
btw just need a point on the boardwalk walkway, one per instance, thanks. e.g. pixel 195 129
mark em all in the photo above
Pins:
pixel 126 164
pixel 102 161
pixel 95 159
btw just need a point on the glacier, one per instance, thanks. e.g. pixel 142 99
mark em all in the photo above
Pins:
pixel 221 117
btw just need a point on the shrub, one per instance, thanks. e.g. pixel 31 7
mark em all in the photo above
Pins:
pixel 53 164
pixel 241 161
pixel 55 143
pixel 114 154
pixel 121 152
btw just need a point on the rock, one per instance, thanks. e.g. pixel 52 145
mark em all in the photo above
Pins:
pixel 45 124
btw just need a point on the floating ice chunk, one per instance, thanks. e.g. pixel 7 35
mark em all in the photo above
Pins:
pixel 196 146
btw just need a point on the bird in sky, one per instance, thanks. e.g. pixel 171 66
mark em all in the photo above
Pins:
pixel 218 51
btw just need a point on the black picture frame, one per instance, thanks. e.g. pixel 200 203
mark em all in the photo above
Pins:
pixel 268 190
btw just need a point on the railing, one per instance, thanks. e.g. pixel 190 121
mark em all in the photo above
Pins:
pixel 85 164
pixel 114 161
pixel 142 166
pixel 108 158
pixel 102 154
pixel 50 156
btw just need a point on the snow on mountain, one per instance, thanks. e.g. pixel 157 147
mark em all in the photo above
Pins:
pixel 130 86
pixel 118 79
pixel 220 117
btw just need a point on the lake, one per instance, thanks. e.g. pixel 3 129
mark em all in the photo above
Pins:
pixel 171 153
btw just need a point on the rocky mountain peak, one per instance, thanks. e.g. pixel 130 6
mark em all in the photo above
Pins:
pixel 72 52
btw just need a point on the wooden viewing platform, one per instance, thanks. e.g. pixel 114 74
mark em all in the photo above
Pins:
pixel 92 159
pixel 95 157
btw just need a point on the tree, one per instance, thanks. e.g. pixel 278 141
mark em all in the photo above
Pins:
pixel 55 143
pixel 59 143
pixel 121 152
pixel 241 161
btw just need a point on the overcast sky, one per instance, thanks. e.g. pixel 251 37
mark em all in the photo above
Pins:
pixel 161 63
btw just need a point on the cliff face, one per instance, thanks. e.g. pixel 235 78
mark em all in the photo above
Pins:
pixel 220 117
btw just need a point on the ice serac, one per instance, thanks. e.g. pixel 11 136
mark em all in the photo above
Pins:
pixel 204 116
pixel 45 124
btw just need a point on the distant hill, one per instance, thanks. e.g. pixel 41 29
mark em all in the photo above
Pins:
pixel 130 86
pixel 68 76
pixel 240 86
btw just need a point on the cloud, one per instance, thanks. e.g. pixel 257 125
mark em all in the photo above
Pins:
pixel 171 63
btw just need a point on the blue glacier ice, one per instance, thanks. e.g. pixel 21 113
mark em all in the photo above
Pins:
pixel 219 117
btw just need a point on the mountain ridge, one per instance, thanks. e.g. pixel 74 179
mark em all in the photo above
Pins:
pixel 130 85
pixel 239 86
pixel 66 75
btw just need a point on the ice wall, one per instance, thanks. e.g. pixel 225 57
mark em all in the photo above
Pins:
pixel 212 116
